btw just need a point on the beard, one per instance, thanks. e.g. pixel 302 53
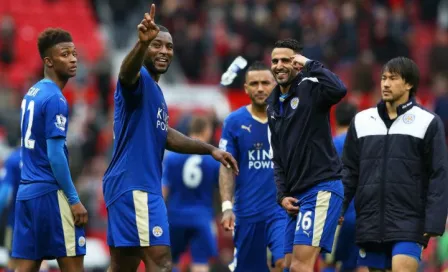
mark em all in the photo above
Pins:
pixel 287 82
pixel 149 64
pixel 258 103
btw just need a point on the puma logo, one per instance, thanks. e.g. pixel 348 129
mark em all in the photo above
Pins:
pixel 307 233
pixel 246 127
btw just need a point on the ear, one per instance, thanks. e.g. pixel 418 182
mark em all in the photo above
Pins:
pixel 245 88
pixel 408 87
pixel 48 62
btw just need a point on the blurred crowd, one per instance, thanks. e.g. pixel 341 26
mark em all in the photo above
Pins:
pixel 354 38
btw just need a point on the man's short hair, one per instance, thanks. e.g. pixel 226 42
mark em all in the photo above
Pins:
pixel 257 66
pixel 344 113
pixel 407 69
pixel 292 44
pixel 163 29
pixel 51 37
pixel 198 124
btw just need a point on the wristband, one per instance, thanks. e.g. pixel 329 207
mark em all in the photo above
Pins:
pixel 226 205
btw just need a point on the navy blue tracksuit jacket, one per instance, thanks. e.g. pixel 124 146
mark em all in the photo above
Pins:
pixel 304 154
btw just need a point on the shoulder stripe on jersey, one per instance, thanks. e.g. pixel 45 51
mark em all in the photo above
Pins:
pixel 414 122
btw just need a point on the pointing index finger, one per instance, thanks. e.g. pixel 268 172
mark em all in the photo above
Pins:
pixel 152 13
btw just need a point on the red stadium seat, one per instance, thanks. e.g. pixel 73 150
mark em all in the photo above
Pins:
pixel 74 16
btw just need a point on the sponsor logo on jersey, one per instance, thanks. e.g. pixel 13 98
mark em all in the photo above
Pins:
pixel 162 118
pixel 61 120
pixel 223 144
pixel 259 158
pixel 246 127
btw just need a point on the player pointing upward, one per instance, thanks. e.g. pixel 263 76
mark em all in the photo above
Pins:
pixel 49 215
pixel 138 223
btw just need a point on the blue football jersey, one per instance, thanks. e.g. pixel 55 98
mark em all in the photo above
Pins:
pixel 11 175
pixel 191 180
pixel 44 115
pixel 247 140
pixel 140 132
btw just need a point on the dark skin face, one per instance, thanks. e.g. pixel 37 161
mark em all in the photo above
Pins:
pixel 60 61
pixel 159 54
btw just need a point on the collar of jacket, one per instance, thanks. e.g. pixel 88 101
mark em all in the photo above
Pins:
pixel 274 98
pixel 401 109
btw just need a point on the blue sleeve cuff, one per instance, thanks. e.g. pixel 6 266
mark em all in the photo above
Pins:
pixel 60 168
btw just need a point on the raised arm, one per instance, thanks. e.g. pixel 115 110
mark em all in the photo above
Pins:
pixel 180 143
pixel 130 68
pixel 331 89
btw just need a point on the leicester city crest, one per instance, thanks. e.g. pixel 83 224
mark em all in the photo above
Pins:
pixel 294 103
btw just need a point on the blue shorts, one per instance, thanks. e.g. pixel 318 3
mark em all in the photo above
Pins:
pixel 315 225
pixel 137 219
pixel 44 229
pixel 252 240
pixel 199 235
pixel 383 259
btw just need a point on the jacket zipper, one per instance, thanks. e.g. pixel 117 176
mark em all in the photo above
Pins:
pixel 382 189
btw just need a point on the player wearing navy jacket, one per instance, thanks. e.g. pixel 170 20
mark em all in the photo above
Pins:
pixel 49 215
pixel 259 220
pixel 307 167
pixel 396 169
pixel 137 218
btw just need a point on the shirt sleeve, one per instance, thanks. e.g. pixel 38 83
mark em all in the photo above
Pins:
pixel 228 140
pixel 56 117
pixel 331 89
pixel 435 157
pixel 59 166
pixel 132 95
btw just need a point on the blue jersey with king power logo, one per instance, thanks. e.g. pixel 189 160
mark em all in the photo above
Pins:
pixel 140 132
pixel 246 138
